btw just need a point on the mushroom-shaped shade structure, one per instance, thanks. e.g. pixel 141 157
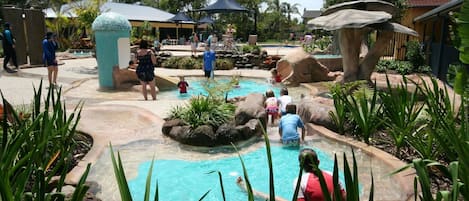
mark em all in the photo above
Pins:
pixel 353 25
pixel 111 21
pixel 349 18
pixel 369 5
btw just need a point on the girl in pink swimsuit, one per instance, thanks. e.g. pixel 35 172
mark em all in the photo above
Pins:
pixel 271 106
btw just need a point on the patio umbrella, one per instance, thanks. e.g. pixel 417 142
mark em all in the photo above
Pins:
pixel 224 6
pixel 178 18
pixel 206 20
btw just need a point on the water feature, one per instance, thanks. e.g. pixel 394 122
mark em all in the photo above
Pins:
pixel 192 180
pixel 179 166
pixel 246 86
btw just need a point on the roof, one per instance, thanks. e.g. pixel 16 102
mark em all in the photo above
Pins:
pixel 224 6
pixel 425 3
pixel 132 12
pixel 443 9
pixel 311 14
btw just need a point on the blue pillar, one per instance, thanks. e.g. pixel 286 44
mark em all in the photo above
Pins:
pixel 112 31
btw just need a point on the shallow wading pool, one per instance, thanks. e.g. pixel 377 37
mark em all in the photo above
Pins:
pixel 182 172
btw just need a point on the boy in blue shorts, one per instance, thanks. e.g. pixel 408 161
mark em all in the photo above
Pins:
pixel 209 61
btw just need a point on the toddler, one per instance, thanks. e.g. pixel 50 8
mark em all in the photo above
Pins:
pixel 271 105
pixel 182 85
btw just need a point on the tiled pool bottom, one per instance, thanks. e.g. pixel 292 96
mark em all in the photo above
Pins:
pixel 133 154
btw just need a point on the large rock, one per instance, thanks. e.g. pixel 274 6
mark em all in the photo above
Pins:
pixel 201 136
pixel 169 124
pixel 316 111
pixel 299 66
pixel 251 108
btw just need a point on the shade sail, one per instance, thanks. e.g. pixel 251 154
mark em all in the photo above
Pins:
pixel 181 17
pixel 224 6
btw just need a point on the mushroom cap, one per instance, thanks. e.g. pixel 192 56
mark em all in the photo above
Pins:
pixel 349 18
pixel 369 5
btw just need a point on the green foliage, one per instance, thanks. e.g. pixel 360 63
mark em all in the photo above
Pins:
pixel 339 116
pixel 401 110
pixel 463 32
pixel 414 54
pixel 223 64
pixel 182 63
pixel 207 110
pixel 404 67
pixel 251 48
pixel 365 113
pixel 29 145
pixel 189 63
pixel 122 181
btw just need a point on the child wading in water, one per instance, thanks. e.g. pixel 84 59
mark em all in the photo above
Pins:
pixel 182 85
pixel 271 105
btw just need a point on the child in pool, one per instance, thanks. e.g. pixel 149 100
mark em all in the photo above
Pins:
pixel 276 78
pixel 182 85
pixel 271 105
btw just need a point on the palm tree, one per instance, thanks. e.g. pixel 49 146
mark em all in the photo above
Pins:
pixel 289 9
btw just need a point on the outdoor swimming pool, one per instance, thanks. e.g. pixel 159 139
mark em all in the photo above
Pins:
pixel 246 86
pixel 188 180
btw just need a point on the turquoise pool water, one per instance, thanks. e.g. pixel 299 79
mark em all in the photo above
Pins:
pixel 188 180
pixel 246 86
pixel 327 56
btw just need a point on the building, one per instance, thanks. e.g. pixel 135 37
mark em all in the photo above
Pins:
pixel 136 14
pixel 310 14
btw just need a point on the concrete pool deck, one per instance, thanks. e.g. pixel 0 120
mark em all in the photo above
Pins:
pixel 122 121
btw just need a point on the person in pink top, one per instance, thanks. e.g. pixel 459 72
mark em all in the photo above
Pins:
pixel 310 188
pixel 271 105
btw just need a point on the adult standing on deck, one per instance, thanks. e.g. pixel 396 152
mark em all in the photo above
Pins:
pixel 9 42
pixel 145 69
pixel 49 46
pixel 194 39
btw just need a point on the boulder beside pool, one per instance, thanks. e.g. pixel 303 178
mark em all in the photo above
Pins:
pixel 249 119
pixel 301 67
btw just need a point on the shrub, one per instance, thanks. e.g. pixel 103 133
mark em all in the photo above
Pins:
pixel 251 48
pixel 224 64
pixel 404 67
pixel 171 62
pixel 414 54
pixel 189 63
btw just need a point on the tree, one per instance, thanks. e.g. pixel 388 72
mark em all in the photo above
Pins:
pixel 289 9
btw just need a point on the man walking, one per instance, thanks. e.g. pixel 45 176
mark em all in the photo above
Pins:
pixel 9 49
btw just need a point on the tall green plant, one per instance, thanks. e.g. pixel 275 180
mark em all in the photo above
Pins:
pixel 365 113
pixel 463 31
pixel 29 146
pixel 401 110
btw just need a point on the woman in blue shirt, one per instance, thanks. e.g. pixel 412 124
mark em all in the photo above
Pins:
pixel 49 46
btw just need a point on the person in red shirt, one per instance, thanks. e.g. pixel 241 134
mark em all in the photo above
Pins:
pixel 182 85
pixel 310 188
pixel 276 77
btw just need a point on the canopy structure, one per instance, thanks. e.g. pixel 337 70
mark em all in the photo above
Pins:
pixel 206 20
pixel 224 6
pixel 368 5
pixel 180 17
